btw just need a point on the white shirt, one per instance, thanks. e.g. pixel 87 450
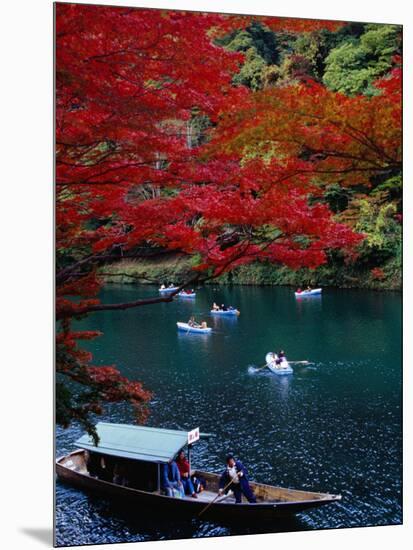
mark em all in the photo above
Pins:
pixel 233 474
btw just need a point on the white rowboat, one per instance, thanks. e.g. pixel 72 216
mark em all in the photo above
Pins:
pixel 187 294
pixel 168 289
pixel 187 328
pixel 313 292
pixel 225 312
pixel 277 368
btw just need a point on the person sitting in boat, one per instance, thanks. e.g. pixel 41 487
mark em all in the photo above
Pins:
pixel 171 480
pixel 193 323
pixel 185 471
pixel 204 324
pixel 308 289
pixel 237 474
pixel 120 474
pixel 163 286
pixel 223 307
pixel 281 357
pixel 171 285
pixel 299 290
pixel 215 307
pixel 94 464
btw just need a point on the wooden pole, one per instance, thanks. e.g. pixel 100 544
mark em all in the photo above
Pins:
pixel 218 495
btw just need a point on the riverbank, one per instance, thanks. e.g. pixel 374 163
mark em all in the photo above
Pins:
pixel 178 268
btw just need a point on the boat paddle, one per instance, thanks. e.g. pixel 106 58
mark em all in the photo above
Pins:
pixel 215 499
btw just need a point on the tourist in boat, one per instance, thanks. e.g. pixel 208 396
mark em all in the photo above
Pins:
pixel 163 286
pixel 193 323
pixel 171 285
pixel 171 479
pixel 215 307
pixel 185 471
pixel 281 357
pixel 308 289
pixel 223 307
pixel 204 324
pixel 94 464
pixel 120 474
pixel 237 473
pixel 299 290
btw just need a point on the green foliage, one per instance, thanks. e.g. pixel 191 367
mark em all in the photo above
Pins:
pixel 147 271
pixel 382 230
pixel 251 71
pixel 314 47
pixel 199 124
pixel 337 197
pixel 354 65
pixel 391 187
pixel 261 49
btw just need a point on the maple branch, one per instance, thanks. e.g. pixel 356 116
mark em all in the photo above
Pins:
pixel 64 314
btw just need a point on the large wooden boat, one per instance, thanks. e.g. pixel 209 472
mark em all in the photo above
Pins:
pixel 146 450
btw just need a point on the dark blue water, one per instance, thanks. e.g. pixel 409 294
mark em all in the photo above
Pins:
pixel 332 426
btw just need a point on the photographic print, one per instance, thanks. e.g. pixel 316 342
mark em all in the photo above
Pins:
pixel 228 205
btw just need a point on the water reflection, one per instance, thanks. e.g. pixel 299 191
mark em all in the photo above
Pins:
pixel 333 426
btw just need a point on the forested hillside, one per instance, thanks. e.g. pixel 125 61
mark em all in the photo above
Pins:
pixel 350 59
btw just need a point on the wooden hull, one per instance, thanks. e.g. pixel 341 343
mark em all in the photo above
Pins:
pixel 225 511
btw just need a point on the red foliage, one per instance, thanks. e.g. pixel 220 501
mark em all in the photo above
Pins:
pixel 128 82
pixel 378 273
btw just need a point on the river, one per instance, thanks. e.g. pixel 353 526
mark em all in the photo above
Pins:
pixel 333 426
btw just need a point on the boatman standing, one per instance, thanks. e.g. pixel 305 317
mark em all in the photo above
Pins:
pixel 237 474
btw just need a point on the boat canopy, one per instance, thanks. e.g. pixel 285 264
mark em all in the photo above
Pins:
pixel 135 442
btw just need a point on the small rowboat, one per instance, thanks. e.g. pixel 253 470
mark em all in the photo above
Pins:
pixel 313 292
pixel 277 368
pixel 187 328
pixel 225 312
pixel 141 452
pixel 184 294
pixel 168 289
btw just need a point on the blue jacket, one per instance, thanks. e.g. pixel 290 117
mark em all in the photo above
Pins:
pixel 225 478
pixel 170 474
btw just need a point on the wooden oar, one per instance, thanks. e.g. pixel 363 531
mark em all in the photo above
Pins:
pixel 215 499
pixel 263 367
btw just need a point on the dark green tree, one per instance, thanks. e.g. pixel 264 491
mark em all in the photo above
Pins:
pixel 354 65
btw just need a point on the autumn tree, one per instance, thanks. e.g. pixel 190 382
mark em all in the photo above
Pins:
pixel 127 82
pixel 131 182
